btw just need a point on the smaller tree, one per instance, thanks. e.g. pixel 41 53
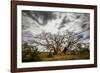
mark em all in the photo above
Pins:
pixel 30 53
pixel 71 41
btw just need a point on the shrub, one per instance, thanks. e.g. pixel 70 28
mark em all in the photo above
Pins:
pixel 29 56
pixel 50 55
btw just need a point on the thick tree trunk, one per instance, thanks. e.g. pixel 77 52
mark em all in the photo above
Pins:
pixel 66 48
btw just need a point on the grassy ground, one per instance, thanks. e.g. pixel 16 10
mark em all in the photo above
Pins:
pixel 29 56
pixel 44 56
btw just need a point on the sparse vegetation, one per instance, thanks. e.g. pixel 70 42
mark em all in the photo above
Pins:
pixel 29 56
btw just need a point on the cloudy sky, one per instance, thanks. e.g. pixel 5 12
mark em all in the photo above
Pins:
pixel 35 22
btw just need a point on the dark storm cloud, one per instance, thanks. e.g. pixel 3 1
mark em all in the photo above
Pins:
pixel 84 35
pixel 62 23
pixel 84 25
pixel 27 34
pixel 44 16
pixel 78 16
pixel 25 27
pixel 65 20
pixel 86 22
pixel 73 17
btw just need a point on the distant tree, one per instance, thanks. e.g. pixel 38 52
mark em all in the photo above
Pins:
pixel 25 45
pixel 30 54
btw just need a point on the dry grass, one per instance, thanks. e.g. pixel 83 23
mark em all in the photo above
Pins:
pixel 44 56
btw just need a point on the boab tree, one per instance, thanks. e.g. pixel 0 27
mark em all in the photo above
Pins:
pixel 57 43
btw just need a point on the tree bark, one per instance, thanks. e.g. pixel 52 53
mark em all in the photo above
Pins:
pixel 66 48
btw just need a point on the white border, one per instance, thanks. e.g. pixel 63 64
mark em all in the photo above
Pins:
pixel 53 63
